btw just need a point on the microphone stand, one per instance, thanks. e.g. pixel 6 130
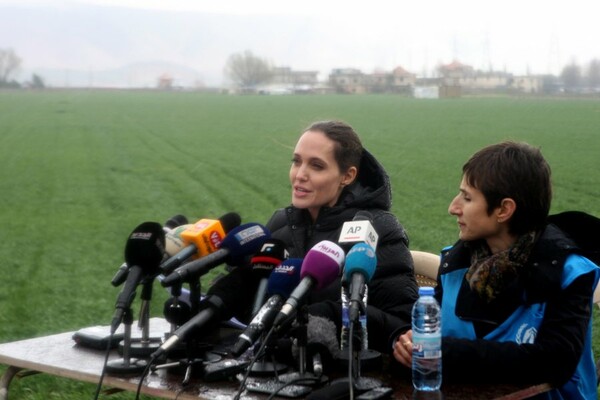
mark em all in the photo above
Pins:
pixel 195 352
pixel 262 367
pixel 301 334
pixel 146 345
pixel 360 383
pixel 126 365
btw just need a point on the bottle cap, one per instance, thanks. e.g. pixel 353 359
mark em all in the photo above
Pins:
pixel 426 291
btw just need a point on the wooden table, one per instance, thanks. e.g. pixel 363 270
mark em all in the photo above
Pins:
pixel 59 355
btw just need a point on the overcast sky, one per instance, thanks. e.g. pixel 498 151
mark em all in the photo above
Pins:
pixel 94 35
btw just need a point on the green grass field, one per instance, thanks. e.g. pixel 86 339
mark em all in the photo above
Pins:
pixel 80 169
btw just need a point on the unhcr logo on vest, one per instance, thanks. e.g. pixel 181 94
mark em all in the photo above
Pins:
pixel 526 334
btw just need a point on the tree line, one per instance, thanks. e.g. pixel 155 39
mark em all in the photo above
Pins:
pixel 247 70
pixel 10 64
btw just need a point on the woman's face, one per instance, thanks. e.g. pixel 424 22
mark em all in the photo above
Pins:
pixel 471 210
pixel 315 175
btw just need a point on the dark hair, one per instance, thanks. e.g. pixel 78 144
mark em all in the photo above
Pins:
pixel 348 147
pixel 517 171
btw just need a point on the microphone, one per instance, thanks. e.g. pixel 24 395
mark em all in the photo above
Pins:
pixel 120 275
pixel 281 282
pixel 320 268
pixel 173 228
pixel 359 230
pixel 174 242
pixel 174 222
pixel 201 239
pixel 358 271
pixel 198 321
pixel 143 252
pixel 239 243
pixel 169 225
pixel 322 344
pixel 271 254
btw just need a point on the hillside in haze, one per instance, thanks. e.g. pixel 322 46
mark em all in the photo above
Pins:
pixel 84 45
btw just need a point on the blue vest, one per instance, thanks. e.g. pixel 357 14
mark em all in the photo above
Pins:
pixel 523 324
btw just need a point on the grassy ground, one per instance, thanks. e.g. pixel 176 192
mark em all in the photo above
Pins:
pixel 80 169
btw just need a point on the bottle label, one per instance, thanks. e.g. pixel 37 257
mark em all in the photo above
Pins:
pixel 427 345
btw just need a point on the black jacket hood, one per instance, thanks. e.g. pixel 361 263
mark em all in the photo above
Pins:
pixel 372 187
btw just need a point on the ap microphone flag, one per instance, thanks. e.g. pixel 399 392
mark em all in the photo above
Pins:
pixel 360 229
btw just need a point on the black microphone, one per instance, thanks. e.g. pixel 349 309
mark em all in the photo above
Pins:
pixel 281 282
pixel 205 317
pixel 171 223
pixel 238 244
pixel 174 222
pixel 271 254
pixel 320 268
pixel 144 251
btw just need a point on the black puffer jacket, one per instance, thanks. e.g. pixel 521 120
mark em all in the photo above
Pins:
pixel 393 289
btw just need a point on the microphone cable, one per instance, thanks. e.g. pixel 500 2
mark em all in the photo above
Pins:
pixel 350 359
pixel 261 349
pixel 106 355
pixel 249 367
pixel 146 371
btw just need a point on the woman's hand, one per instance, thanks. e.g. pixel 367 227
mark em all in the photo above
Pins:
pixel 403 349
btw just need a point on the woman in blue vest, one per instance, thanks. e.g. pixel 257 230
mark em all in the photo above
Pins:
pixel 515 291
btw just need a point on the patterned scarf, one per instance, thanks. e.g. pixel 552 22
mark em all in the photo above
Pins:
pixel 490 273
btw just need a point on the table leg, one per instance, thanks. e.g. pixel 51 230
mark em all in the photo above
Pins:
pixel 7 377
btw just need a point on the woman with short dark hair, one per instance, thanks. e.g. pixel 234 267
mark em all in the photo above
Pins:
pixel 516 292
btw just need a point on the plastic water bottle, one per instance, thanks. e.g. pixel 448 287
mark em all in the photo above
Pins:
pixel 362 318
pixel 427 342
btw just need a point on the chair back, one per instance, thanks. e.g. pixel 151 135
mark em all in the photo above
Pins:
pixel 426 267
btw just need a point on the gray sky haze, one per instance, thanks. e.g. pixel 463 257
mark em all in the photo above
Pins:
pixel 94 36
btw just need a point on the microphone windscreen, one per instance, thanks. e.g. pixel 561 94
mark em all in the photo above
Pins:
pixel 284 278
pixel 230 221
pixel 173 241
pixel 175 221
pixel 323 263
pixel 362 259
pixel 321 337
pixel 146 246
pixel 363 215
pixel 244 240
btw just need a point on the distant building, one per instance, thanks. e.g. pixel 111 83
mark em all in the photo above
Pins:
pixel 453 73
pixel 353 81
pixel 402 80
pixel 285 80
pixel 435 88
pixel 165 82
pixel 528 84
pixel 348 81
pixel 473 81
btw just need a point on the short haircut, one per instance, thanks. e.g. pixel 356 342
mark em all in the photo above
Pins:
pixel 513 170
